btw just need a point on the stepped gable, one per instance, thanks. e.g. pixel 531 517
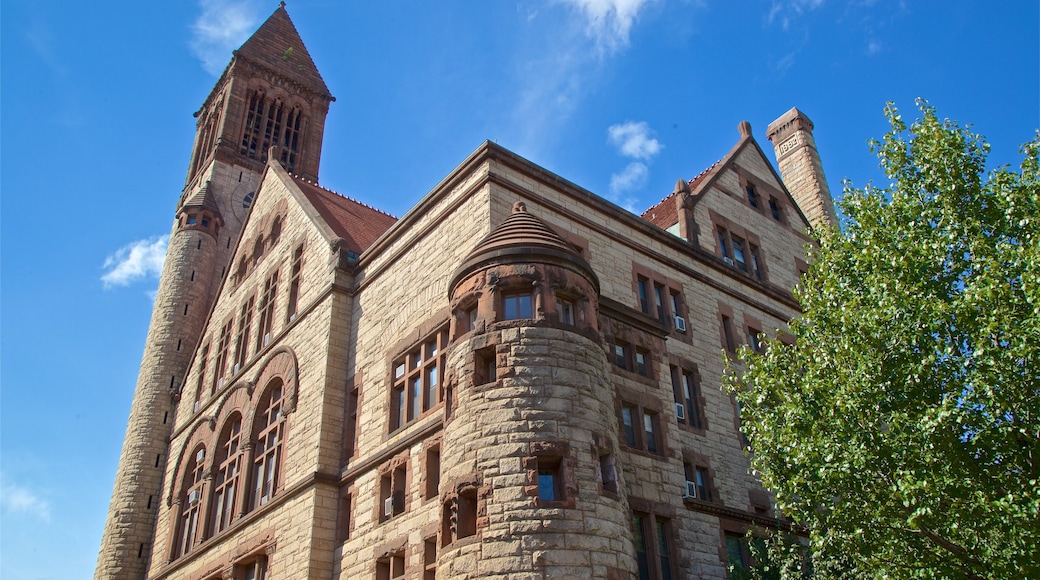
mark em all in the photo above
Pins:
pixel 359 224
pixel 666 214
pixel 277 46
pixel 523 238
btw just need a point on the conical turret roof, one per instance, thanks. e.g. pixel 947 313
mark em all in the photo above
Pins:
pixel 277 45
pixel 202 198
pixel 523 238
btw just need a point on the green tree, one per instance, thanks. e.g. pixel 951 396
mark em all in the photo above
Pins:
pixel 902 426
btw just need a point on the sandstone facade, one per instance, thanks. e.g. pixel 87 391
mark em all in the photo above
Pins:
pixel 516 379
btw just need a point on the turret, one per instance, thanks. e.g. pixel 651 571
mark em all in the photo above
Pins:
pixel 530 415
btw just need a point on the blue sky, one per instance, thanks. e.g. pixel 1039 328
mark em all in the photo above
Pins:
pixel 622 97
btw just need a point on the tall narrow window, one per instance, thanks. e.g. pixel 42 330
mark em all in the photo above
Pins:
pixel 294 283
pixel 269 122
pixel 565 310
pixel 663 554
pixel 650 431
pixel 659 302
pixel 266 307
pixel 643 362
pixel 191 502
pixel 255 570
pixel 203 356
pixel 416 380
pixel 687 398
pixel 644 294
pixel 433 472
pixel 225 484
pixel 390 567
pixel 430 558
pixel 628 425
pixel 245 323
pixel 774 209
pixel 753 339
pixel 550 484
pixel 752 195
pixel 738 253
pixel 642 553
pixel 223 345
pixel 350 428
pixel 729 340
pixel 756 262
pixel 269 431
pixel 724 245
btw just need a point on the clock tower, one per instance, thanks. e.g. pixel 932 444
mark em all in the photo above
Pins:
pixel 269 101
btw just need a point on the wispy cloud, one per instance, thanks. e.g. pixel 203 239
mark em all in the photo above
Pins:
pixel 873 47
pixel 135 261
pixel 222 27
pixel 784 11
pixel 633 140
pixel 609 22
pixel 18 499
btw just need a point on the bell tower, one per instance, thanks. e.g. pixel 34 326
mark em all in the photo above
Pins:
pixel 270 100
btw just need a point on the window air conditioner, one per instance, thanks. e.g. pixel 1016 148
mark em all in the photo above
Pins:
pixel 267 338
pixel 680 324
pixel 292 317
pixel 691 490
pixel 680 411
pixel 728 260
pixel 193 497
pixel 237 366
pixel 196 408
pixel 220 382
pixel 388 506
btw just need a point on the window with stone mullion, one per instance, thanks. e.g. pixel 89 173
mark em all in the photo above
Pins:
pixel 225 484
pixel 416 386
pixel 266 462
pixel 266 307
pixel 191 503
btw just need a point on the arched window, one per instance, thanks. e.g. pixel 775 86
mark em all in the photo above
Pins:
pixel 269 430
pixel 226 482
pixel 191 501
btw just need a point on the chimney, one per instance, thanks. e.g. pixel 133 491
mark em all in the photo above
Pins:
pixel 800 168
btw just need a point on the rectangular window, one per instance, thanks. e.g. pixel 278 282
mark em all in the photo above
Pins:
pixel 724 244
pixel 663 556
pixel 433 472
pixel 739 559
pixel 752 195
pixel 642 362
pixel 729 340
pixel 202 375
pixel 652 539
pixel 621 355
pixel 608 472
pixel 641 428
pixel 416 380
pixel 245 322
pixel 430 558
pixel 628 425
pixel 223 345
pixel 774 209
pixel 390 567
pixel 516 306
pixel 255 570
pixel 266 307
pixel 642 552
pixel 550 486
pixel 738 253
pixel 392 488
pixel 687 398
pixel 350 427
pixel 565 310
pixel 644 297
pixel 659 302
pixel 294 284
pixel 697 481
pixel 753 341
pixel 756 262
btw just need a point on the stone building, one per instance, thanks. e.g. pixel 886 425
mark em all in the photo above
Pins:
pixel 515 379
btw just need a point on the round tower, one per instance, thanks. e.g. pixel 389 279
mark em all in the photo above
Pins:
pixel 181 306
pixel 529 483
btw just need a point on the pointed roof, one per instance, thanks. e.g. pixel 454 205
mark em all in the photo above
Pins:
pixel 277 46
pixel 359 225
pixel 665 214
pixel 523 238
pixel 203 198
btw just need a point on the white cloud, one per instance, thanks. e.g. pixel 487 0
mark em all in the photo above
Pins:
pixel 873 47
pixel 135 261
pixel 16 499
pixel 633 140
pixel 786 10
pixel 631 178
pixel 221 28
pixel 609 21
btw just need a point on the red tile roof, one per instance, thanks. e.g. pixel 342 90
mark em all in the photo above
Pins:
pixel 359 224
pixel 665 214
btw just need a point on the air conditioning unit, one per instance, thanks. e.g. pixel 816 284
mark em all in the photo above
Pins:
pixel 388 506
pixel 292 317
pixel 691 490
pixel 680 324
pixel 267 338
pixel 193 497
pixel 196 407
pixel 220 383
pixel 728 260
pixel 680 411
pixel 235 371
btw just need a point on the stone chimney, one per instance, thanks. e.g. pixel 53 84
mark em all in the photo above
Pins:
pixel 800 166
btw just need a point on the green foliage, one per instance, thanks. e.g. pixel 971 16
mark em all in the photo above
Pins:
pixel 902 428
